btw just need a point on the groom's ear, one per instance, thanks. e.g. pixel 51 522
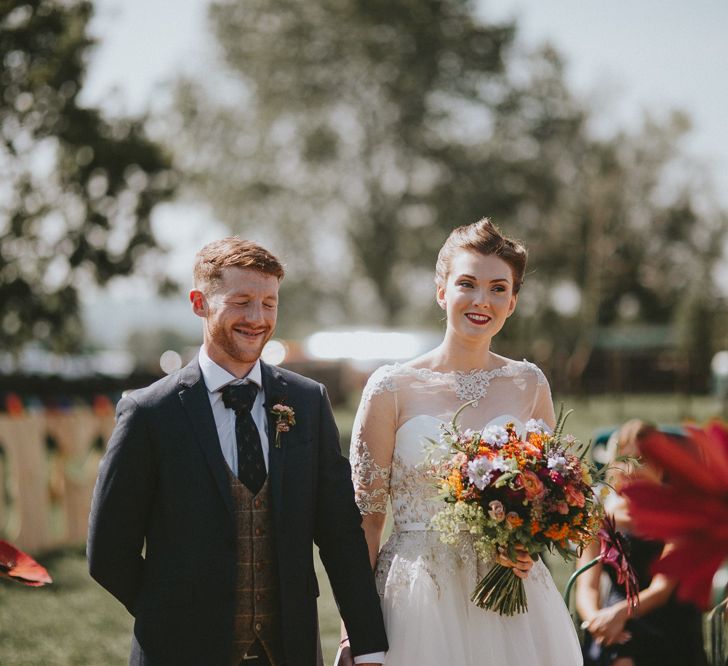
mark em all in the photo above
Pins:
pixel 199 303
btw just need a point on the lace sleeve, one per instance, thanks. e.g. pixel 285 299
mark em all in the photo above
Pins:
pixel 372 443
pixel 543 406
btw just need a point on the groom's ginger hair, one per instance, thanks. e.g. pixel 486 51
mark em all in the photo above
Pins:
pixel 233 251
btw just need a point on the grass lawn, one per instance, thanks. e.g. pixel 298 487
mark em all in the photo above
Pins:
pixel 75 622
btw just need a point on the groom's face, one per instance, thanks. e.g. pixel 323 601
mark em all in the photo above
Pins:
pixel 240 317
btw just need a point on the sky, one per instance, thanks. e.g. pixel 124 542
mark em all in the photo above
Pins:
pixel 627 56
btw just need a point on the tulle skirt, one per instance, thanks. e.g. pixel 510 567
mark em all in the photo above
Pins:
pixel 425 587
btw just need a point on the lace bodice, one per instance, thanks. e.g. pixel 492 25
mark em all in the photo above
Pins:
pixel 400 414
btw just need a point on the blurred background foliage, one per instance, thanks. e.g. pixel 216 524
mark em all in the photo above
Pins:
pixel 358 134
pixel 354 136
pixel 76 190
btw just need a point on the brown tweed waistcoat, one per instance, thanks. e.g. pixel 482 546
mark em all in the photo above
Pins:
pixel 257 592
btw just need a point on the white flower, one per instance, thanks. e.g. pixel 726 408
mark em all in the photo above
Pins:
pixel 502 465
pixel 537 426
pixel 495 435
pixel 557 461
pixel 480 472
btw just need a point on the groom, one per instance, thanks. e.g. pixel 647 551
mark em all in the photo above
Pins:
pixel 216 483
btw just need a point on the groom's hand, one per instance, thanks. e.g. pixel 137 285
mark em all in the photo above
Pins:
pixel 347 659
pixel 345 656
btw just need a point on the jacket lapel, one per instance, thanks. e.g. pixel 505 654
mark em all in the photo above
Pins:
pixel 275 392
pixel 193 394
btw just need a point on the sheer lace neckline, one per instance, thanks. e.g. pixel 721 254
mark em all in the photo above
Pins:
pixel 468 384
pixel 493 372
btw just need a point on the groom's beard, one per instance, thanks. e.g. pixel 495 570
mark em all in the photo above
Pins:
pixel 237 345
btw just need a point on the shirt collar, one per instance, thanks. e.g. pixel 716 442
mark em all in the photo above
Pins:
pixel 216 377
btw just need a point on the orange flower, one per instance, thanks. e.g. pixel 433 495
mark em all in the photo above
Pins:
pixel 532 485
pixel 513 520
pixel 532 450
pixel 536 439
pixel 456 483
pixel 535 527
pixel 557 532
pixel 574 496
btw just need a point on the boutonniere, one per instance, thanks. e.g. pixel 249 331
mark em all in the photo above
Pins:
pixel 285 418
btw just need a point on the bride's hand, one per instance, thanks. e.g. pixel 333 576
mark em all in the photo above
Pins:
pixel 521 565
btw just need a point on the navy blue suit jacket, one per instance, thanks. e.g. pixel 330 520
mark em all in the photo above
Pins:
pixel 162 537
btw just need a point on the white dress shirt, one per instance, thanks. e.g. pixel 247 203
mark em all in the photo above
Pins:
pixel 217 378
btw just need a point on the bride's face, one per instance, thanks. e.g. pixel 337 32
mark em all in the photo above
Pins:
pixel 478 295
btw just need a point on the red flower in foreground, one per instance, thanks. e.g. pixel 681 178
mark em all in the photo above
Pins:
pixel 17 565
pixel 615 553
pixel 689 509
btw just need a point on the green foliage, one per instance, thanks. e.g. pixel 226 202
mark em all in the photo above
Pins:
pixel 353 136
pixel 346 124
pixel 77 189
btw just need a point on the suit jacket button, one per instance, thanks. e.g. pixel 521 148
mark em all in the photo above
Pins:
pixel 259 566
pixel 258 531
pixel 257 504
pixel 259 597
pixel 258 626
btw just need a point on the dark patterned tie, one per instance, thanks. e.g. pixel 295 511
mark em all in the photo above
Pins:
pixel 251 465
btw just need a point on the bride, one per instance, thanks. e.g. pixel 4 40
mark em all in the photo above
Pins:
pixel 424 584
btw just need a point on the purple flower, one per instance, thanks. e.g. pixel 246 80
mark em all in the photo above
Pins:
pixel 615 553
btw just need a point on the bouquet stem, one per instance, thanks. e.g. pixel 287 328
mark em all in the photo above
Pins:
pixel 501 591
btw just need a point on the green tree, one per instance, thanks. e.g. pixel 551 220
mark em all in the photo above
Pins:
pixel 77 189
pixel 341 121
pixel 354 136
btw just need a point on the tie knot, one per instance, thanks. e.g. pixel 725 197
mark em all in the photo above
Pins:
pixel 239 397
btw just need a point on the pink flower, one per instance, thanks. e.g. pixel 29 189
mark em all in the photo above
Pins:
pixel 574 496
pixel 556 477
pixel 562 508
pixel 496 511
pixel 614 553
pixel 285 418
pixel 532 485
pixel 458 460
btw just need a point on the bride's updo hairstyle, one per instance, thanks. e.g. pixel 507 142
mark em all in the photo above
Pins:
pixel 485 238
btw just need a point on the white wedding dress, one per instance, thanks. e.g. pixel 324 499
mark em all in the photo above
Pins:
pixel 425 585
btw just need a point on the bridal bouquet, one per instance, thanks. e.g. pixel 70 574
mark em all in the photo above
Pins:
pixel 509 489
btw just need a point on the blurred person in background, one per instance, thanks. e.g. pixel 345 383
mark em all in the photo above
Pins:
pixel 661 631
